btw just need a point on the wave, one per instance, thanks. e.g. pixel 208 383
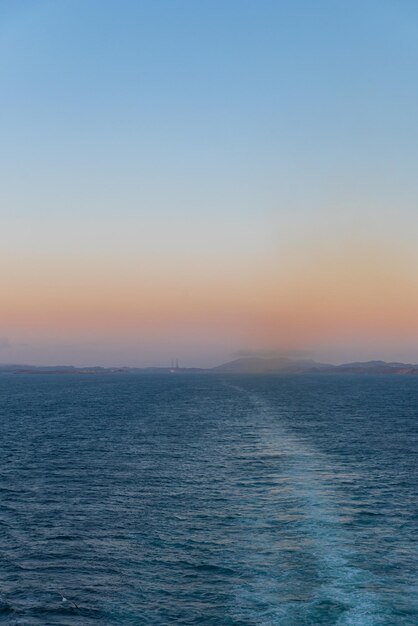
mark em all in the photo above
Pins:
pixel 312 578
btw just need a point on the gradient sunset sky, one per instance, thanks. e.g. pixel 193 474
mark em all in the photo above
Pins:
pixel 188 179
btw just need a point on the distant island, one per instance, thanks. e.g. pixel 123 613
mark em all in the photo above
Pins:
pixel 243 365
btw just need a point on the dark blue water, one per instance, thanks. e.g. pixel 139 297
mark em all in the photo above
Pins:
pixel 286 501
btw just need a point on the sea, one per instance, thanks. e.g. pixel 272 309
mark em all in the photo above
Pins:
pixel 208 500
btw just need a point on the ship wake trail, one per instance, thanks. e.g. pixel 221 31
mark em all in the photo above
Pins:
pixel 298 552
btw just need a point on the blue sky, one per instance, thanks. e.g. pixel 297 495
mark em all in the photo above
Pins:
pixel 214 134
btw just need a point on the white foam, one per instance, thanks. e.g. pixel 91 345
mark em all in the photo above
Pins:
pixel 332 545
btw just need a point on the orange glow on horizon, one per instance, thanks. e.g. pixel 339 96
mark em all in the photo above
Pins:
pixel 298 298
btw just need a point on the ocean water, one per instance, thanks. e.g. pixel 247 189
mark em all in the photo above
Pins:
pixel 271 501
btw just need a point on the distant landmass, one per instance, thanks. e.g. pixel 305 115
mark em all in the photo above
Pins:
pixel 262 365
pixel 244 365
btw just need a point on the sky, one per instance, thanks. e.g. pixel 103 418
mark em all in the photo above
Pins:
pixel 183 179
